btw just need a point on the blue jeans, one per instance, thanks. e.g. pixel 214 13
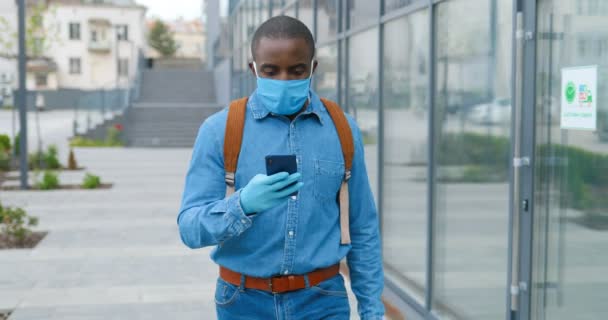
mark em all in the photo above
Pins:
pixel 328 301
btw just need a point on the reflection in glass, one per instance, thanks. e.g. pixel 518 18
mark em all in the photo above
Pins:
pixel 326 75
pixel 362 12
pixel 395 4
pixel 405 102
pixel 306 14
pixel 363 95
pixel 327 20
pixel 291 11
pixel 571 182
pixel 473 64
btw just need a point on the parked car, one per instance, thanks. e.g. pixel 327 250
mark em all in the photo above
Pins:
pixel 495 112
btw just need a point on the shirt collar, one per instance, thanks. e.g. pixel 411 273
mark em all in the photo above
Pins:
pixel 260 112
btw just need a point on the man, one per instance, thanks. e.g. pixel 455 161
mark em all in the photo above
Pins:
pixel 278 253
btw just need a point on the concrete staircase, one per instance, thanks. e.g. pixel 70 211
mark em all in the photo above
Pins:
pixel 172 105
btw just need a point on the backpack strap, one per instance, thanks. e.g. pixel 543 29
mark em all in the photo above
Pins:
pixel 348 151
pixel 233 138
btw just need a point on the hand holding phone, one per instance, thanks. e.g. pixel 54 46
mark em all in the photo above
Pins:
pixel 265 192
pixel 282 163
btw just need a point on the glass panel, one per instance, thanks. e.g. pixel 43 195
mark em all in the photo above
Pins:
pixel 395 4
pixel 362 12
pixel 264 7
pixel 327 20
pixel 406 112
pixel 472 157
pixel 291 11
pixel 571 183
pixel 363 95
pixel 326 75
pixel 277 6
pixel 305 13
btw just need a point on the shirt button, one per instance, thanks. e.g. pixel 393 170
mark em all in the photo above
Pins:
pixel 291 234
pixel 294 197
pixel 286 272
pixel 243 221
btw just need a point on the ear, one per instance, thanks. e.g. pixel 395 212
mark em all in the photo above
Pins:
pixel 314 66
pixel 252 69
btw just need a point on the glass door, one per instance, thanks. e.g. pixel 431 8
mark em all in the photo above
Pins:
pixel 570 222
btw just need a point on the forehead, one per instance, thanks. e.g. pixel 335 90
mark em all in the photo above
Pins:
pixel 282 50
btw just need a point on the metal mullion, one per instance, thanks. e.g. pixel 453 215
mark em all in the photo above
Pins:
pixel 315 26
pixel 351 32
pixel 407 10
pixel 528 144
pixel 431 167
pixel 380 114
pixel 510 315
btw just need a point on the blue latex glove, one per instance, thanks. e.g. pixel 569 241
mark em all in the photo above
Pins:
pixel 264 192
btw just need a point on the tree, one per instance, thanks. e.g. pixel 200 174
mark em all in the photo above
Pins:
pixel 39 36
pixel 161 39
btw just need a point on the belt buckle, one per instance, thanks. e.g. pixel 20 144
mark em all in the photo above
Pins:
pixel 270 286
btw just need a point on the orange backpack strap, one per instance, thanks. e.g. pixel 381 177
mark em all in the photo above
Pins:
pixel 233 138
pixel 348 151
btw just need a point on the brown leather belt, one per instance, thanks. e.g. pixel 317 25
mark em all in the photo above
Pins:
pixel 280 284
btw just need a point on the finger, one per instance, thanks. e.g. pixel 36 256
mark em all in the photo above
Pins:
pixel 275 178
pixel 284 183
pixel 289 190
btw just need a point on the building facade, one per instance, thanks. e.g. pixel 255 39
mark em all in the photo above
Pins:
pixel 98 42
pixel 490 206
pixel 88 45
pixel 8 66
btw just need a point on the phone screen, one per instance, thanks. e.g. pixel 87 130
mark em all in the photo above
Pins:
pixel 281 163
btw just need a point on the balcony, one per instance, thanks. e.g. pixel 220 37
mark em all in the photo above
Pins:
pixel 100 46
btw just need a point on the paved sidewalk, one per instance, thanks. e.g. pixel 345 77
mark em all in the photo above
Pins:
pixel 110 254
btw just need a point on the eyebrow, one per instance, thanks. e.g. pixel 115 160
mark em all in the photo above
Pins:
pixel 267 65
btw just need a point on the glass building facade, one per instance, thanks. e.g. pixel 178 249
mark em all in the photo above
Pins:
pixel 447 94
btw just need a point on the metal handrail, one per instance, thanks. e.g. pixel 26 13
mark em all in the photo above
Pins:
pixel 98 102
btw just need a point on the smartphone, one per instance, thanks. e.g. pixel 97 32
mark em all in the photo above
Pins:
pixel 282 163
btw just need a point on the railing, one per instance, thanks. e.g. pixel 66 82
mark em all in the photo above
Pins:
pixel 95 107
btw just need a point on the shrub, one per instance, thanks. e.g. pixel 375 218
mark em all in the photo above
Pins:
pixel 5 143
pixel 5 161
pixel 113 137
pixel 91 181
pixel 15 222
pixel 49 181
pixel 45 160
pixel 51 158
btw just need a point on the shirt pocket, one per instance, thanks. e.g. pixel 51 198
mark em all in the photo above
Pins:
pixel 328 178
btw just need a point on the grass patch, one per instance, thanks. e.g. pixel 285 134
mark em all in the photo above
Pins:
pixel 113 139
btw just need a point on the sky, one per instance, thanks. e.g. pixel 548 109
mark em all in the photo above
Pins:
pixel 171 10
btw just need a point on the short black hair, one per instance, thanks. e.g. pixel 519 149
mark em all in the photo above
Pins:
pixel 283 27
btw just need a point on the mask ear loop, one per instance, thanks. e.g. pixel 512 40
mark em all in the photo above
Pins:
pixel 312 64
pixel 255 68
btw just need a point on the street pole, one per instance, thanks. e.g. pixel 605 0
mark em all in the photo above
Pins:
pixel 21 97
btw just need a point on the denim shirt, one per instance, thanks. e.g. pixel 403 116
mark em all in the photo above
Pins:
pixel 301 234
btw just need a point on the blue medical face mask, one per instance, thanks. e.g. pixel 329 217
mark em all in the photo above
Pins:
pixel 284 97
